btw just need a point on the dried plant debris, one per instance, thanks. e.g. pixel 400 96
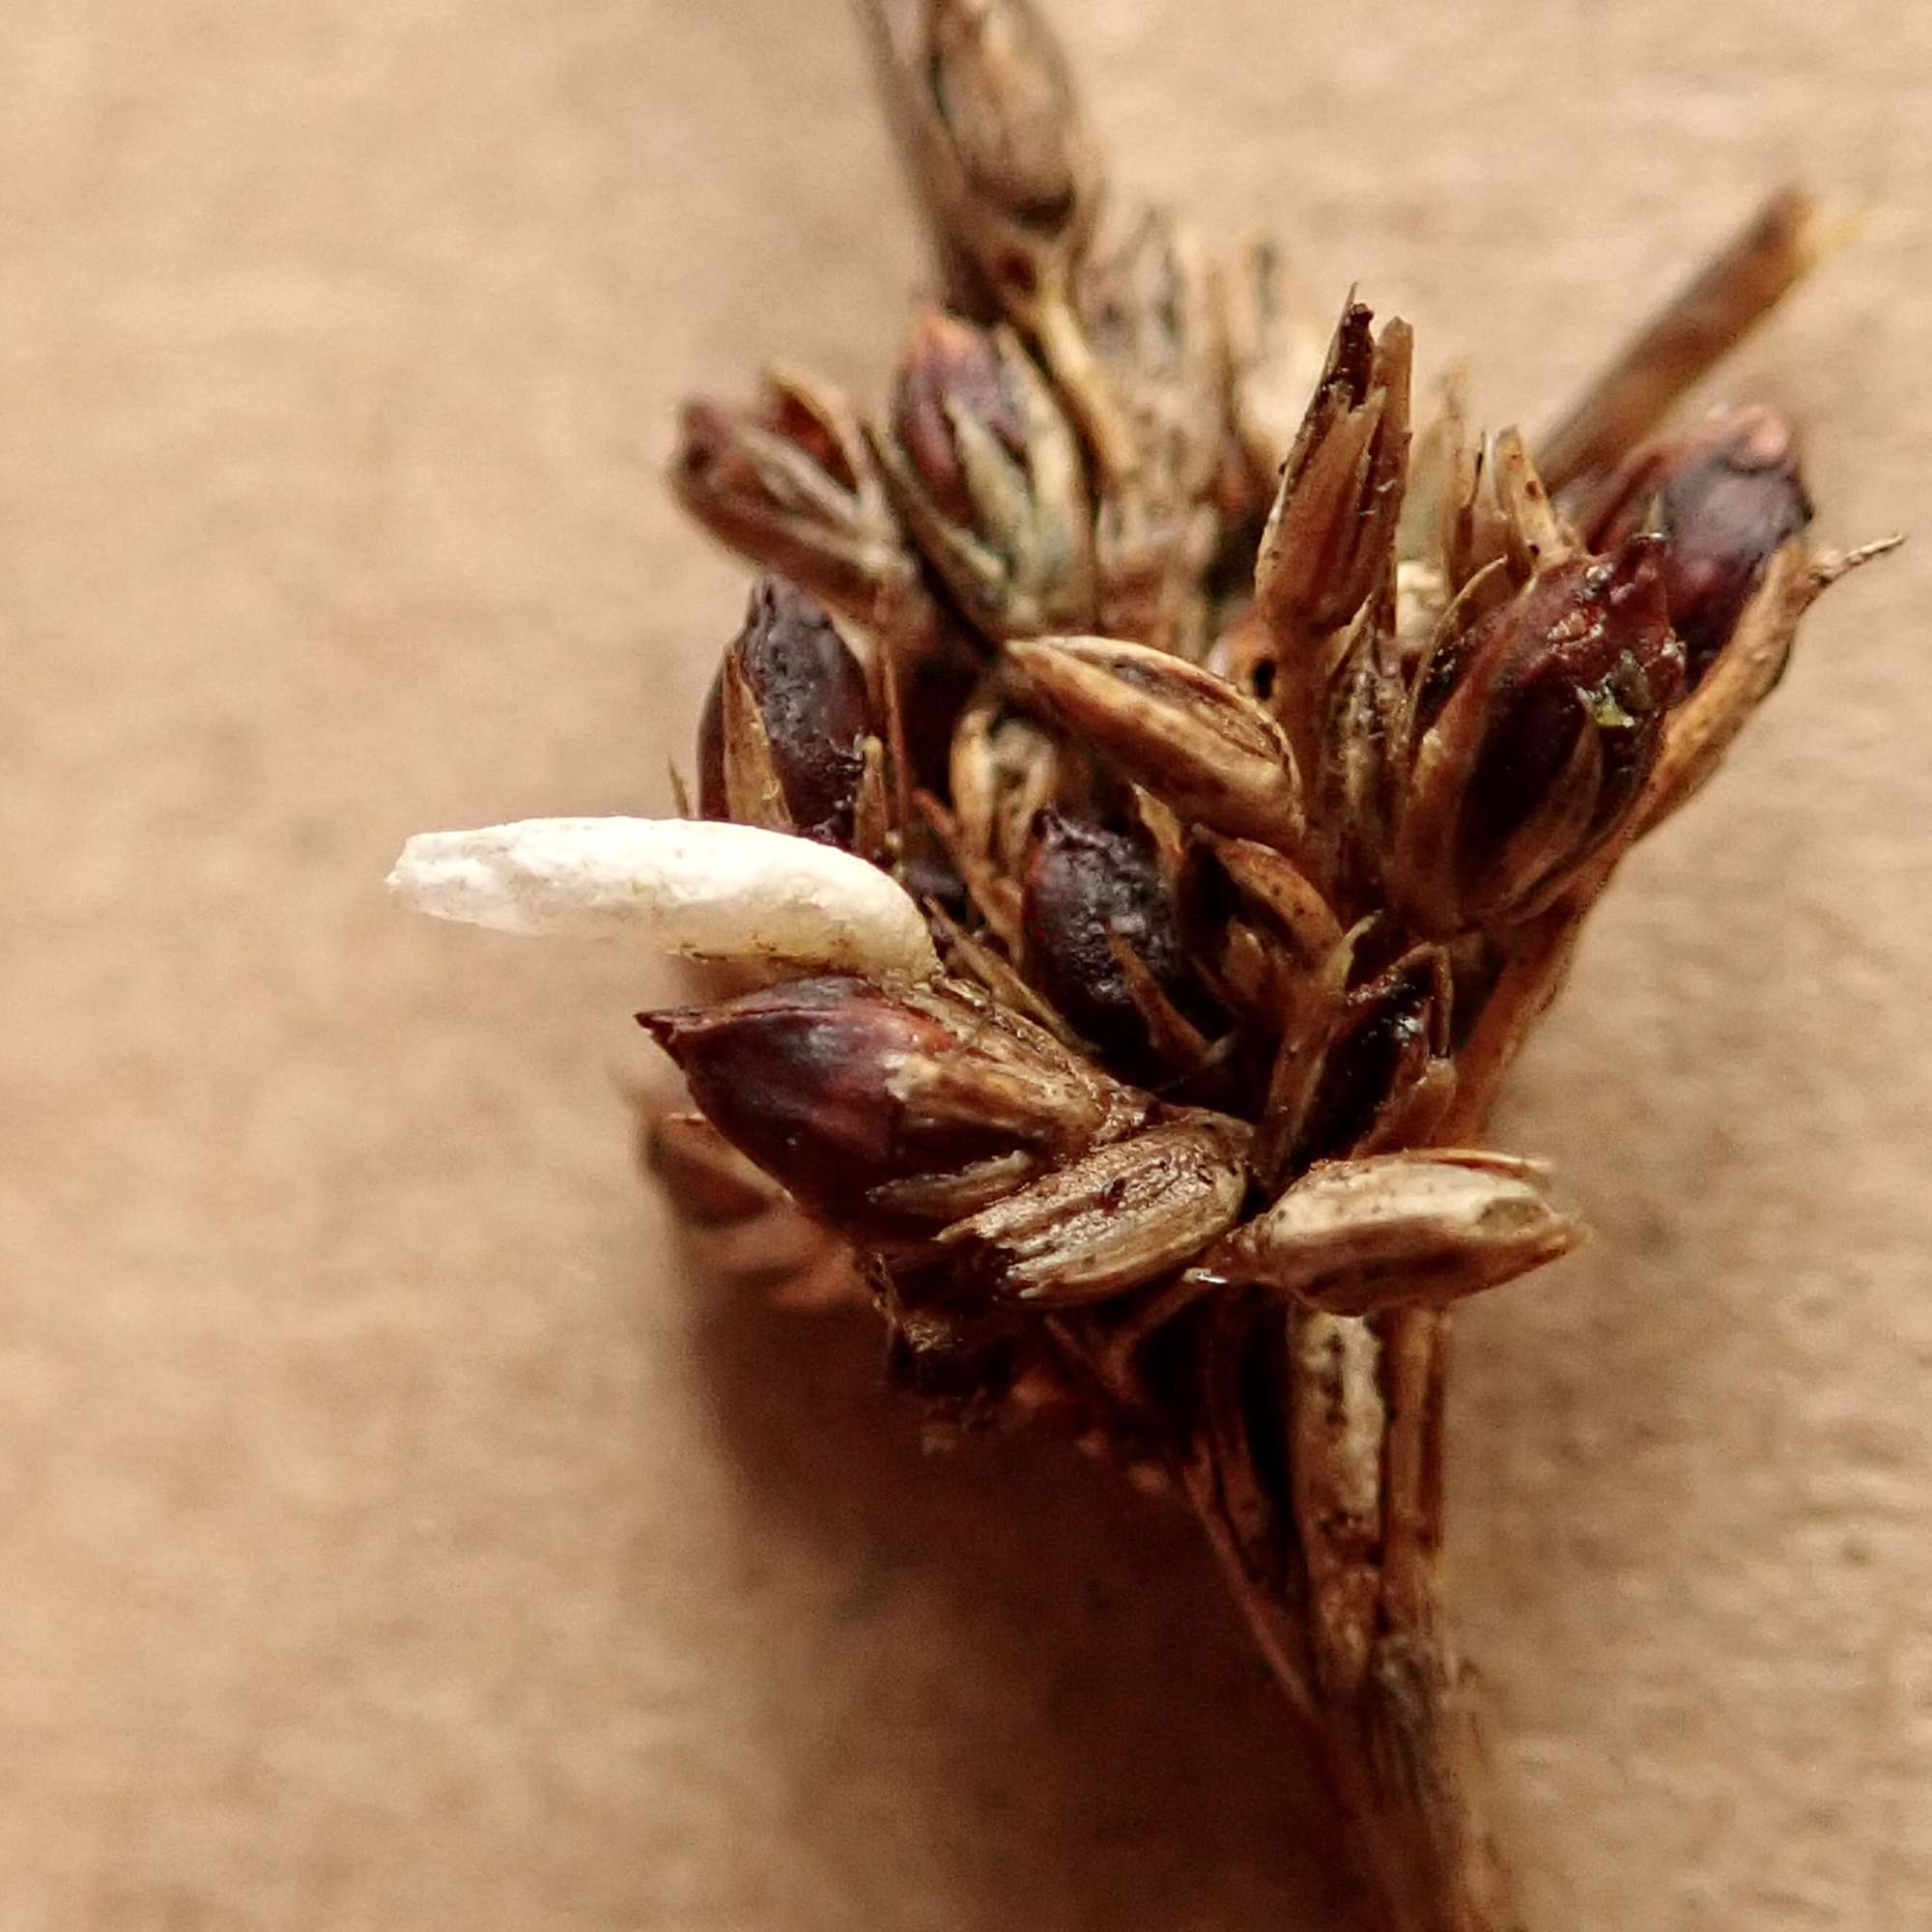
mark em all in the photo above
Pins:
pixel 1152 793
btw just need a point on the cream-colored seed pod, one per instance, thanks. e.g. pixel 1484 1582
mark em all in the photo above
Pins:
pixel 700 890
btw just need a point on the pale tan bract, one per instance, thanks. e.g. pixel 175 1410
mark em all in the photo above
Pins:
pixel 1357 1236
pixel 1186 735
pixel 1121 1216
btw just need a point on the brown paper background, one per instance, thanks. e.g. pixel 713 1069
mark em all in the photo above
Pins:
pixel 389 1536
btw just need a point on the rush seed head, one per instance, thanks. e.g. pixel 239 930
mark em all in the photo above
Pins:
pixel 1253 766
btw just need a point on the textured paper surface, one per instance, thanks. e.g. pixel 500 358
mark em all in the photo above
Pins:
pixel 392 1536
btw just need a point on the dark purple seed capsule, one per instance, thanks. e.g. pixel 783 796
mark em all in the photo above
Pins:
pixel 840 1091
pixel 1083 887
pixel 1726 509
pixel 800 1079
pixel 1392 1026
pixel 811 697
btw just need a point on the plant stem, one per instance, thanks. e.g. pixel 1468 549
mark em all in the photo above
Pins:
pixel 1694 329
pixel 1402 1758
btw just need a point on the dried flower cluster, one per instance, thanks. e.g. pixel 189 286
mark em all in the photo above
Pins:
pixel 1149 813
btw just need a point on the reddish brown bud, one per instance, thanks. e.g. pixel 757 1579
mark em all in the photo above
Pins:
pixel 1724 512
pixel 1725 499
pixel 888 1116
pixel 988 474
pixel 951 367
pixel 1530 734
pixel 783 730
pixel 1088 894
pixel 787 481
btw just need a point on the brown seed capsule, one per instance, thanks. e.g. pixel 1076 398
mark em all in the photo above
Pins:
pixel 1255 925
pixel 1383 1072
pixel 889 1115
pixel 1150 309
pixel 1357 1237
pixel 788 482
pixel 1087 895
pixel 1355 783
pixel 1120 1217
pixel 1201 747
pixel 1009 175
pixel 1724 500
pixel 1333 534
pixel 781 741
pixel 1529 737
pixel 985 472
pixel 1005 107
